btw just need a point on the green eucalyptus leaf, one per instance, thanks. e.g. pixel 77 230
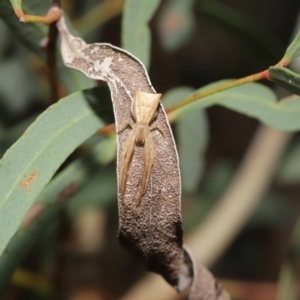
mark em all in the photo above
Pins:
pixel 30 163
pixel 286 78
pixel 174 95
pixel 136 37
pixel 67 184
pixel 192 134
pixel 176 23
pixel 253 100
pixel 192 139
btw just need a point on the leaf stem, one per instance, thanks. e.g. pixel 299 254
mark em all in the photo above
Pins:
pixel 52 16
pixel 107 129
pixel 199 95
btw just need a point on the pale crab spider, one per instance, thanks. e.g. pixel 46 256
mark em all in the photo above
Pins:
pixel 144 109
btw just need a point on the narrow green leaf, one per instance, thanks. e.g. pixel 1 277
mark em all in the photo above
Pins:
pixel 30 163
pixel 286 78
pixel 192 139
pixel 176 23
pixel 294 48
pixel 192 142
pixel 136 37
pixel 254 100
pixel 174 95
pixel 73 179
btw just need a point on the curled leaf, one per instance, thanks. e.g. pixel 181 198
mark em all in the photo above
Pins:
pixel 152 230
pixel 204 285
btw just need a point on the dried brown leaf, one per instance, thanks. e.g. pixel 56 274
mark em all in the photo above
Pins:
pixel 153 229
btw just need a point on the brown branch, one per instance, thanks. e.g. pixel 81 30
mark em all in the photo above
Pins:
pixel 51 60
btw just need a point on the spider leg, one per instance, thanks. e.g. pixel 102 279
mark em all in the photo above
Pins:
pixel 127 123
pixel 159 128
pixel 125 160
pixel 149 157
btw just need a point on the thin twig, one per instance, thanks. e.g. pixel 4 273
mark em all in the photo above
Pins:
pixel 52 16
pixel 228 85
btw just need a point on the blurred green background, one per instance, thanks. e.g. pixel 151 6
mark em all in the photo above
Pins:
pixel 74 253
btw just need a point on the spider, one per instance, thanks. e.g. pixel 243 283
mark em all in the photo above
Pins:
pixel 143 110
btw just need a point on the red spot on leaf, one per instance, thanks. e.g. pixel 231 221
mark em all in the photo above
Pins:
pixel 29 180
